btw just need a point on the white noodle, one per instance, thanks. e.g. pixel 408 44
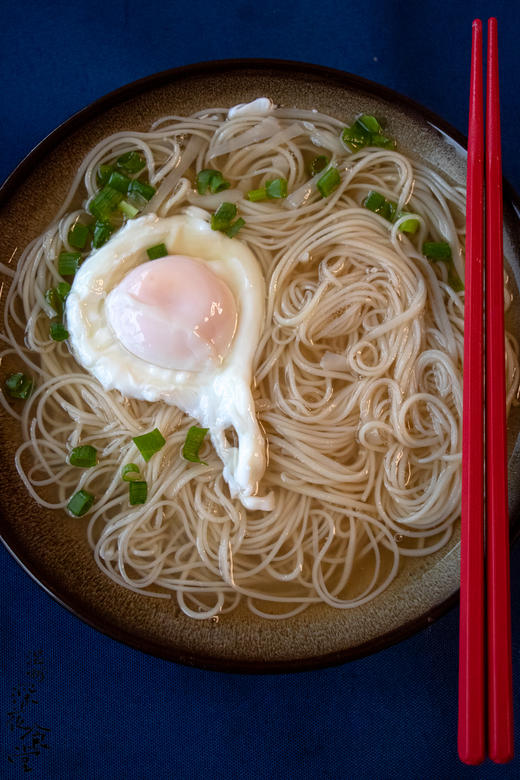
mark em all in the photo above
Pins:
pixel 358 379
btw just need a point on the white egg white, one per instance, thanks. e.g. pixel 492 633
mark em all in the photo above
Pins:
pixel 218 399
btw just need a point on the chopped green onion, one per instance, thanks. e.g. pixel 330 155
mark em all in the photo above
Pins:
pixel 454 279
pixel 257 195
pixel 19 386
pixel 203 179
pixel 356 137
pixel 318 164
pixel 437 250
pixel 54 301
pixel 137 200
pixel 149 443
pixel 58 332
pixel 218 183
pixel 192 445
pixel 141 188
pixel 102 232
pixel 137 492
pixel 103 174
pixel 277 188
pixel 130 472
pixel 63 289
pixel 328 182
pixel 366 131
pixel 237 225
pixel 80 503
pixel 369 123
pixel 119 182
pixel 388 209
pixel 211 179
pixel 68 263
pixel 78 236
pixel 127 209
pixel 104 202
pixel 377 203
pixel 440 252
pixel 392 210
pixel 56 297
pixel 221 219
pixel 380 205
pixel 382 141
pixel 159 250
pixel 409 225
pixel 85 456
pixel 131 162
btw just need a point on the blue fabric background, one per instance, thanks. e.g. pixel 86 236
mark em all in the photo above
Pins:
pixel 110 711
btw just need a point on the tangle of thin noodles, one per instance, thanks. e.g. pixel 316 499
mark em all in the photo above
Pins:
pixel 358 379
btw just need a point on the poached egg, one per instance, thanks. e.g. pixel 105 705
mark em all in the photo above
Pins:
pixel 182 329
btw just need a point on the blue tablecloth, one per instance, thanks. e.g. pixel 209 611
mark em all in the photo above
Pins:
pixel 107 711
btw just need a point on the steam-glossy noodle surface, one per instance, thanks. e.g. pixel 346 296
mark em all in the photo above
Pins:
pixel 358 378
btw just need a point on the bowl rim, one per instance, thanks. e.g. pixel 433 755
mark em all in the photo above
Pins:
pixel 16 179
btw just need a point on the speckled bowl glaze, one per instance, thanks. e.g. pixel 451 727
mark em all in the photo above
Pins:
pixel 54 549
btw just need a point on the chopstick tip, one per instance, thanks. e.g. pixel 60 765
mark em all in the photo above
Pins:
pixel 476 33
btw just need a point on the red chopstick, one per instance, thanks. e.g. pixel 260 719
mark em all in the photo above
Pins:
pixel 471 735
pixel 500 689
pixel 491 383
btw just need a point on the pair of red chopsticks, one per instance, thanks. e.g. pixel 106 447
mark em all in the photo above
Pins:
pixel 485 614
